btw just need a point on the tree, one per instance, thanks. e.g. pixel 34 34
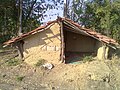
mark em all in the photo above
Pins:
pixel 20 17
pixel 66 8
pixel 16 17
pixel 102 16
pixel 73 9
pixel 8 13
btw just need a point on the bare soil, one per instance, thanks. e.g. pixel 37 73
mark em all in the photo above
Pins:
pixel 94 75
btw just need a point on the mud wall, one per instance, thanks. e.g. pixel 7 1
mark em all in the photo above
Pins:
pixel 43 45
pixel 79 43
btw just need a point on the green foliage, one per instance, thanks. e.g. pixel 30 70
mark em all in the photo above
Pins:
pixel 13 62
pixel 102 16
pixel 87 59
pixel 19 78
pixel 4 38
pixel 40 62
pixel 33 11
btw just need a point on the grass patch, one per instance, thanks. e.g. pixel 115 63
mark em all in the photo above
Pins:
pixel 19 78
pixel 40 62
pixel 87 59
pixel 2 50
pixel 13 62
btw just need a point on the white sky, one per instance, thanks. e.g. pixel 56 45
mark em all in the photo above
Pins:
pixel 53 13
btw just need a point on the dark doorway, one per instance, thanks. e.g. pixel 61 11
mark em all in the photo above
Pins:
pixel 77 46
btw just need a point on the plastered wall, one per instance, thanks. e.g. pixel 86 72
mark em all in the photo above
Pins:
pixel 43 45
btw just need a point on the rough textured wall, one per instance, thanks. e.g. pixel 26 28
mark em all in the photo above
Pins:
pixel 43 45
pixel 79 43
pixel 97 45
pixel 103 52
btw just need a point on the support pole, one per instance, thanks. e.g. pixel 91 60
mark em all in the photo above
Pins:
pixel 62 55
pixel 19 46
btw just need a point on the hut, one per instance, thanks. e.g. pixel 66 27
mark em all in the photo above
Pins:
pixel 59 39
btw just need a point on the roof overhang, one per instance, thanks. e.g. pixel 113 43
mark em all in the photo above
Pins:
pixel 69 24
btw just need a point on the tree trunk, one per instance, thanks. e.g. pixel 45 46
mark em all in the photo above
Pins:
pixel 31 8
pixel 65 8
pixel 20 18
pixel 5 24
pixel 73 13
pixel 19 44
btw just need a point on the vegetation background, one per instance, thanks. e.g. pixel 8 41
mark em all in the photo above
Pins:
pixel 21 16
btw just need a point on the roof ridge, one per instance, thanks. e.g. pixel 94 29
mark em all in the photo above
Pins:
pixel 95 34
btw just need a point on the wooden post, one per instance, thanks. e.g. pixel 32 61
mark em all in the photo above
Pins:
pixel 19 46
pixel 62 55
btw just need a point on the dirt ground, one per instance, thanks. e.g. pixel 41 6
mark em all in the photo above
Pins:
pixel 94 75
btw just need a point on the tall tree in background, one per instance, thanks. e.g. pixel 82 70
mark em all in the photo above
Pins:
pixel 102 16
pixel 66 8
pixel 20 18
pixel 73 9
pixel 8 19
pixel 77 10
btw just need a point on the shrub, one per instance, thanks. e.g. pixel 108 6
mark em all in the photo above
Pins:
pixel 20 78
pixel 87 59
pixel 40 62
pixel 13 62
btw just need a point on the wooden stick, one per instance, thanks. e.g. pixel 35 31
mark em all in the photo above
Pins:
pixel 62 55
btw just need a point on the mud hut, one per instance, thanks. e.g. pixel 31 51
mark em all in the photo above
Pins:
pixel 60 39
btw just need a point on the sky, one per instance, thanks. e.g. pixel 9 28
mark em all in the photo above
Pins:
pixel 53 13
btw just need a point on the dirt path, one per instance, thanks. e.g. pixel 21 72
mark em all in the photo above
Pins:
pixel 95 75
pixel 89 76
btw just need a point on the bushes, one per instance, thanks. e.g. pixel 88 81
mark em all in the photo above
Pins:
pixel 4 38
pixel 13 62
pixel 87 59
pixel 40 62
pixel 19 78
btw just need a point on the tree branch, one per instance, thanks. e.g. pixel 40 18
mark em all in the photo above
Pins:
pixel 31 9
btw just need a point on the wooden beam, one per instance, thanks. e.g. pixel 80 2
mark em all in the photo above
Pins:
pixel 19 46
pixel 84 32
pixel 62 54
